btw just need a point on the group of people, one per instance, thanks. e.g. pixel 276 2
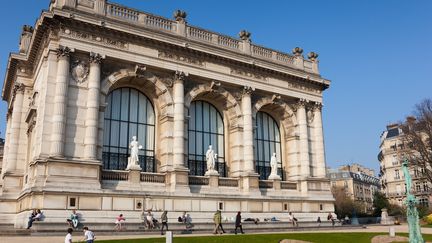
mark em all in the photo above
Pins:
pixel 89 236
pixel 217 219
pixel 36 215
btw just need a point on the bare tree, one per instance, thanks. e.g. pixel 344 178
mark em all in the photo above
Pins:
pixel 417 131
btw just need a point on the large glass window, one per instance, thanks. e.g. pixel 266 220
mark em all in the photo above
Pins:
pixel 205 128
pixel 266 142
pixel 129 113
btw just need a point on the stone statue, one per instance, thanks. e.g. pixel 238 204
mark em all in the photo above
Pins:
pixel 412 213
pixel 133 159
pixel 273 165
pixel 210 158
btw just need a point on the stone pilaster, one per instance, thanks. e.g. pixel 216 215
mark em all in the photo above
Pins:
pixel 304 143
pixel 319 141
pixel 13 146
pixel 92 116
pixel 60 102
pixel 248 153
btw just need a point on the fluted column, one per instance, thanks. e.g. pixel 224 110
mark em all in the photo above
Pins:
pixel 15 127
pixel 248 154
pixel 179 133
pixel 319 141
pixel 304 143
pixel 92 116
pixel 60 103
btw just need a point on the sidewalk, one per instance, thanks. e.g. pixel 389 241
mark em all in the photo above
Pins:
pixel 79 236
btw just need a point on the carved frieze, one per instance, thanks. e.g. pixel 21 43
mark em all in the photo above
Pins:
pixel 180 58
pixel 302 87
pixel 247 74
pixel 94 38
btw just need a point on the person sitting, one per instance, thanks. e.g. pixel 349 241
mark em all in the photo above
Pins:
pixel 149 219
pixel 188 222
pixel 119 222
pixel 292 219
pixel 73 221
pixel 36 215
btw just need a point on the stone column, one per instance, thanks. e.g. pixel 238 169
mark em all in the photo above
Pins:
pixel 304 143
pixel 14 142
pixel 319 141
pixel 60 103
pixel 92 116
pixel 248 153
pixel 179 119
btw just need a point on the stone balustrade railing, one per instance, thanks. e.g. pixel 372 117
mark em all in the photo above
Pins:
pixel 152 177
pixel 115 175
pixel 142 19
pixel 288 185
pixel 198 180
pixel 228 182
pixel 265 184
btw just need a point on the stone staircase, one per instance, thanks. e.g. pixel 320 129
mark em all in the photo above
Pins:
pixel 48 228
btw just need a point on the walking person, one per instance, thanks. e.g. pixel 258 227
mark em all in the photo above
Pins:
pixel 89 236
pixel 164 220
pixel 217 219
pixel 319 221
pixel 68 238
pixel 238 223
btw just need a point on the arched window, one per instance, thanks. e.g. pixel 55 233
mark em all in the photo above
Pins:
pixel 205 128
pixel 129 113
pixel 266 142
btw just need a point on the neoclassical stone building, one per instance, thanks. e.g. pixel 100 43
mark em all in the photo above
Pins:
pixel 90 75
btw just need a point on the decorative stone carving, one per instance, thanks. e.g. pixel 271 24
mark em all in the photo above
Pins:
pixel 312 56
pixel 26 35
pixel 300 103
pixel 317 106
pixel 96 58
pixel 133 159
pixel 79 71
pixel 93 38
pixel 140 70
pixel 18 87
pixel 180 58
pixel 245 35
pixel 275 98
pixel 180 75
pixel 310 115
pixel 244 73
pixel 297 51
pixel 214 86
pixel 180 16
pixel 273 164
pixel 64 51
pixel 248 90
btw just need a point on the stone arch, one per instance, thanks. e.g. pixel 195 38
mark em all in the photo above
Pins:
pixel 162 96
pixel 281 111
pixel 229 106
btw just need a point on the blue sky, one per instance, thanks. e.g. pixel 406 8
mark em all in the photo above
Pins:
pixel 377 54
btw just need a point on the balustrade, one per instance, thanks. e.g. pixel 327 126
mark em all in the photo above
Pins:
pixel 115 175
pixel 288 185
pixel 228 42
pixel 159 23
pixel 200 34
pixel 122 12
pixel 198 180
pixel 152 177
pixel 261 51
pixel 228 182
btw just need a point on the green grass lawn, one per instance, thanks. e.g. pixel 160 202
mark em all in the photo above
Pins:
pixel 268 238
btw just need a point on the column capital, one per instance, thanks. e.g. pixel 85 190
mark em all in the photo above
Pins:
pixel 64 52
pixel 18 87
pixel 247 90
pixel 317 106
pixel 301 103
pixel 180 75
pixel 96 58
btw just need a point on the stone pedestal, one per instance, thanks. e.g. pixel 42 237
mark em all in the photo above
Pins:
pixel 384 217
pixel 178 180
pixel 214 181
pixel 134 175
pixel 276 183
pixel 211 173
pixel 250 183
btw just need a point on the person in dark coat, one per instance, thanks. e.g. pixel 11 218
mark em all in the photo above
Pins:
pixel 238 223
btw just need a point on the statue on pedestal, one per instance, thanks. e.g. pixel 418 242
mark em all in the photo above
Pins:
pixel 210 158
pixel 273 165
pixel 412 213
pixel 133 159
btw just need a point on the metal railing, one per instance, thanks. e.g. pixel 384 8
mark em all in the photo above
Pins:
pixel 265 184
pixel 228 182
pixel 288 185
pixel 198 180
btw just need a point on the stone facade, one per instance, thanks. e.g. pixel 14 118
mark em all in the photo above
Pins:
pixel 58 90
pixel 392 148
pixel 359 182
